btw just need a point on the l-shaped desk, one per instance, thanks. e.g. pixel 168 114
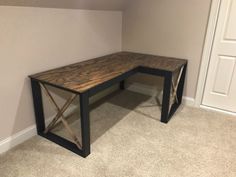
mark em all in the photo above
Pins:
pixel 89 77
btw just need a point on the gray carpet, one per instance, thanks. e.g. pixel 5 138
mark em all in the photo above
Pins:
pixel 128 140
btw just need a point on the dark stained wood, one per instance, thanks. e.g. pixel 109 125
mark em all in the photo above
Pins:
pixel 82 76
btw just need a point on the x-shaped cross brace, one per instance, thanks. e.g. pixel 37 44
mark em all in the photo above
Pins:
pixel 59 116
pixel 174 87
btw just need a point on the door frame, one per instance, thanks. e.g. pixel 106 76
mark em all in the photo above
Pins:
pixel 206 55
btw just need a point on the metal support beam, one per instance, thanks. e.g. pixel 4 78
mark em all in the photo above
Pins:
pixel 166 97
pixel 122 85
pixel 85 123
pixel 38 106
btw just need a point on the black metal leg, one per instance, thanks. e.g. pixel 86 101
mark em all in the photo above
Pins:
pixel 85 123
pixel 38 106
pixel 40 122
pixel 122 85
pixel 166 97
pixel 166 111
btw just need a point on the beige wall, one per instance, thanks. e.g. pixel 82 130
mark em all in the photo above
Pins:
pixel 71 4
pixel 170 28
pixel 36 39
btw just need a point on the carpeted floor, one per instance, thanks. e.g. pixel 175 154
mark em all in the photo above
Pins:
pixel 128 140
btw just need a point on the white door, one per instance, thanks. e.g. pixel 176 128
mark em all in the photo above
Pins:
pixel 220 88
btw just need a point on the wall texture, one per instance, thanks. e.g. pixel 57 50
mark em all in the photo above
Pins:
pixel 36 39
pixel 170 28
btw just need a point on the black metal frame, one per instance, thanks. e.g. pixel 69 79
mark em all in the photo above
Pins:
pixel 166 113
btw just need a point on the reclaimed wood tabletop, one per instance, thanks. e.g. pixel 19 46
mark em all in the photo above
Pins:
pixel 85 75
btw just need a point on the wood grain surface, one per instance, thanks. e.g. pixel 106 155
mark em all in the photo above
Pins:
pixel 82 76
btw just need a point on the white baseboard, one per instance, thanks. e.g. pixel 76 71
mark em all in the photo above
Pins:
pixel 25 134
pixel 152 91
pixel 189 101
pixel 17 138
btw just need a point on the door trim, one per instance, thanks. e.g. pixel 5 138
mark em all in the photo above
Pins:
pixel 206 55
pixel 217 110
